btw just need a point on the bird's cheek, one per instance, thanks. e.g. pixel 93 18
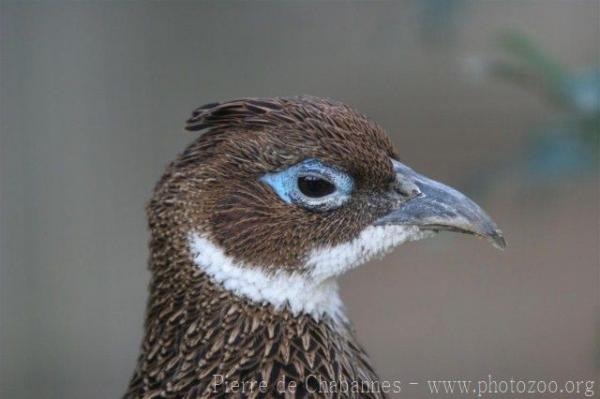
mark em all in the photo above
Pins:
pixel 374 241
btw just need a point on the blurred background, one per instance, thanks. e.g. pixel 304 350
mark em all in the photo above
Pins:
pixel 499 99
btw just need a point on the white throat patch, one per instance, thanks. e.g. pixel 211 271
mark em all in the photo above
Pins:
pixel 316 291
pixel 300 292
pixel 374 241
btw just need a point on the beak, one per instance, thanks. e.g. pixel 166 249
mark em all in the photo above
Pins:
pixel 431 205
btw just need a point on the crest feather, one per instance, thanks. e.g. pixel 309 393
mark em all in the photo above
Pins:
pixel 245 111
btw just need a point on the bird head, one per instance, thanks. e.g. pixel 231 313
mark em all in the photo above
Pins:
pixel 279 196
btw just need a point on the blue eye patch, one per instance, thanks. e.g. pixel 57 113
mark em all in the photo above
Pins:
pixel 311 184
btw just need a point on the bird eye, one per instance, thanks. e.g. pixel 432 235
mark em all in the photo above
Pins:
pixel 314 186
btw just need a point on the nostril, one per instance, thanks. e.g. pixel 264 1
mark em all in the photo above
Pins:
pixel 398 189
pixel 406 188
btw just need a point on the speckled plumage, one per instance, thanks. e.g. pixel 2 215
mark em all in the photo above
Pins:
pixel 194 328
pixel 221 237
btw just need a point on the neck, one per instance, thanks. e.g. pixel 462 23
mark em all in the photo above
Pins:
pixel 199 329
pixel 302 294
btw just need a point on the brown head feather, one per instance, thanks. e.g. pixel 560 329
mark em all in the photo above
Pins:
pixel 245 139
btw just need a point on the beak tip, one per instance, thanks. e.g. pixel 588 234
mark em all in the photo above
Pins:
pixel 497 239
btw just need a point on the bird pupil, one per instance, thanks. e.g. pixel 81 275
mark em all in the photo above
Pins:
pixel 315 187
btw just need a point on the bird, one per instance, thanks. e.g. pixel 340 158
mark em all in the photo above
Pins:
pixel 250 228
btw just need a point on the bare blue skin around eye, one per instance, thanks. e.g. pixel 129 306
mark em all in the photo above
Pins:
pixel 285 183
pixel 280 182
